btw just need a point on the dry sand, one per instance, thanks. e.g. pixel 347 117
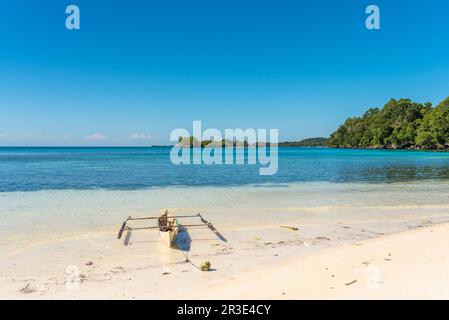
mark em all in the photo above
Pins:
pixel 408 265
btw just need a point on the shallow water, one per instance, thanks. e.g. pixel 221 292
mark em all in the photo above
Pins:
pixel 31 169
pixel 29 218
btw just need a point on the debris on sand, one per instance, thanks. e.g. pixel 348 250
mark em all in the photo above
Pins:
pixel 350 283
pixel 290 228
pixel 27 289
pixel 205 266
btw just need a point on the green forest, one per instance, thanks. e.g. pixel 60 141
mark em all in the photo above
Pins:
pixel 310 142
pixel 400 124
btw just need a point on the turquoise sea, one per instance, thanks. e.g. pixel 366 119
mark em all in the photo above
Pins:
pixel 51 194
pixel 32 169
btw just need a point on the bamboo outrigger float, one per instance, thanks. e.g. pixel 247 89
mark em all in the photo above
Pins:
pixel 168 226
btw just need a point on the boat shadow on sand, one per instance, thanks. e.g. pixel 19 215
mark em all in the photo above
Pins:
pixel 183 241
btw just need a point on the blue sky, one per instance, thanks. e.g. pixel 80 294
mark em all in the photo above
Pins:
pixel 138 69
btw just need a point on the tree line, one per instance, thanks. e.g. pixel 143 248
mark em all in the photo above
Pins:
pixel 310 142
pixel 400 124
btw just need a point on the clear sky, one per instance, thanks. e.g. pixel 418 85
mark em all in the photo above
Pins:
pixel 138 69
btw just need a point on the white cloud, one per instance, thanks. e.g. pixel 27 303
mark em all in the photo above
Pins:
pixel 3 135
pixel 140 136
pixel 95 137
pixel 68 136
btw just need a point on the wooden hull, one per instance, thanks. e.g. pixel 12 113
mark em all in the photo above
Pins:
pixel 168 231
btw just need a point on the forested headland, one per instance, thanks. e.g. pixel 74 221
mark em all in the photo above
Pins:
pixel 400 124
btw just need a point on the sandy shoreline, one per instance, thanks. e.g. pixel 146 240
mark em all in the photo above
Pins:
pixel 407 265
pixel 255 263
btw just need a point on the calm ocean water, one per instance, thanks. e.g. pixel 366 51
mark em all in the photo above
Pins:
pixel 82 191
pixel 31 169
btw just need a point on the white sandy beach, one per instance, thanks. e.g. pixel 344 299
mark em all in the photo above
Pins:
pixel 339 251
pixel 408 265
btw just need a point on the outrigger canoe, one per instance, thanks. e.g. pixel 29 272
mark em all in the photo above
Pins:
pixel 168 227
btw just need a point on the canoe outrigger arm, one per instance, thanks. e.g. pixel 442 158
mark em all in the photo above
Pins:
pixel 165 217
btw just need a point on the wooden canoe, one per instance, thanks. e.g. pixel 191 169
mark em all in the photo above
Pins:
pixel 168 226
pixel 168 229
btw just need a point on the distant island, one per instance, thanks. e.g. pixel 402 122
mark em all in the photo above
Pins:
pixel 400 124
pixel 310 142
pixel 191 142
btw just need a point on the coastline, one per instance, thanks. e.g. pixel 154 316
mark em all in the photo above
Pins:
pixel 280 263
pixel 390 149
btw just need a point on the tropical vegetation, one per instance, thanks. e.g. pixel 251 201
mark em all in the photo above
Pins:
pixel 310 142
pixel 400 124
